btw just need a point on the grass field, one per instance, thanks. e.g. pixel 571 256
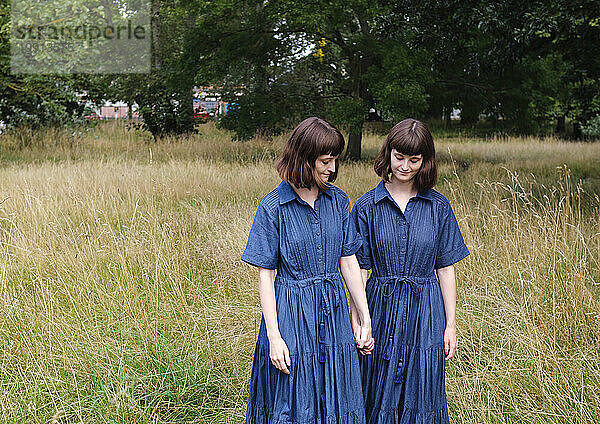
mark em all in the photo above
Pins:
pixel 123 298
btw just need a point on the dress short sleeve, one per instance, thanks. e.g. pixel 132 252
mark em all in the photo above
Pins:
pixel 351 240
pixel 262 248
pixel 451 246
pixel 358 218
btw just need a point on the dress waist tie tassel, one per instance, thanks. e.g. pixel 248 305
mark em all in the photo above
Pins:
pixel 327 283
pixel 329 286
pixel 415 289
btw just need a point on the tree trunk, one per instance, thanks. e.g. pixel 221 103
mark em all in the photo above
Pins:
pixel 561 126
pixel 577 133
pixel 155 23
pixel 354 142
pixel 107 12
pixel 357 122
pixel 447 117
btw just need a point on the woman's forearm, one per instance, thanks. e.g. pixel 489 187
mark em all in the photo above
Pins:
pixel 266 289
pixel 364 273
pixel 353 312
pixel 354 281
pixel 447 278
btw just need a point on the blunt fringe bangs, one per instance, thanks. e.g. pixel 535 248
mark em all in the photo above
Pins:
pixel 312 138
pixel 409 137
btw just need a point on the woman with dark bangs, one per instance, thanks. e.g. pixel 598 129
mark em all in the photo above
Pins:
pixel 409 234
pixel 305 367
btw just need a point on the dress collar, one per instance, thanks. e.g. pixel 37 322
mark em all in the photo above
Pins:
pixel 287 193
pixel 381 192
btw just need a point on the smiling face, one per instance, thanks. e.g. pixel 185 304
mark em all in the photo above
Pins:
pixel 325 166
pixel 310 155
pixel 408 155
pixel 404 167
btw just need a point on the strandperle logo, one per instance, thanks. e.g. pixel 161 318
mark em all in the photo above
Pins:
pixel 80 36
pixel 80 32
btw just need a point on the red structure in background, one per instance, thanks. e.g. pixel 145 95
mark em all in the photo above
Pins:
pixel 118 110
pixel 206 101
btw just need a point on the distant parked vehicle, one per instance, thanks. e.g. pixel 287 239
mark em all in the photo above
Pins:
pixel 201 115
pixel 93 115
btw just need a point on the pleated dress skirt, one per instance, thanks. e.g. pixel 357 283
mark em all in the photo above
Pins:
pixel 403 378
pixel 324 384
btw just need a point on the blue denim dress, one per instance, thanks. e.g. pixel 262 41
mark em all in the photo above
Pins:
pixel 305 246
pixel 403 378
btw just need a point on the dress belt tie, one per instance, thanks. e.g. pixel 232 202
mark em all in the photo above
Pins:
pixel 326 309
pixel 416 290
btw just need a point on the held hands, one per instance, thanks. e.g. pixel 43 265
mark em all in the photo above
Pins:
pixel 362 335
pixel 279 354
pixel 450 342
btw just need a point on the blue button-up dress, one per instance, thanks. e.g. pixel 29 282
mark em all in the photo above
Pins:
pixel 403 378
pixel 305 245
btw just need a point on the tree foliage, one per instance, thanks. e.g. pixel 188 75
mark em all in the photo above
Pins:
pixel 33 100
pixel 525 67
pixel 165 95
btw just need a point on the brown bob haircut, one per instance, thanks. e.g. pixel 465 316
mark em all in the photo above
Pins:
pixel 409 137
pixel 312 138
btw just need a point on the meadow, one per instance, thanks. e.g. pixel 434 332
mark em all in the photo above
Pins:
pixel 123 298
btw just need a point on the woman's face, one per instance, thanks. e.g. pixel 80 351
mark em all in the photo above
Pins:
pixel 325 166
pixel 405 167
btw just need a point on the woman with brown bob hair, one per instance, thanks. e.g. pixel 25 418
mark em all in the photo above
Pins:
pixel 312 138
pixel 412 138
pixel 305 366
pixel 411 241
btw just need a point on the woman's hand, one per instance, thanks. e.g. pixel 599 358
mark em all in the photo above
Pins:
pixel 278 350
pixel 362 336
pixel 360 317
pixel 450 342
pixel 447 278
pixel 357 329
pixel 279 354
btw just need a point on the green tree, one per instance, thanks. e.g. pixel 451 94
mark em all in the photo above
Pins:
pixel 164 96
pixel 242 48
pixel 261 50
pixel 373 48
pixel 526 63
pixel 33 100
pixel 572 29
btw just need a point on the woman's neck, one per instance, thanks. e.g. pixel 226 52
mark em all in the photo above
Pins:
pixel 401 192
pixel 401 188
pixel 309 195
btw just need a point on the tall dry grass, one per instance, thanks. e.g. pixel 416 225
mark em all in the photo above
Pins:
pixel 123 298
